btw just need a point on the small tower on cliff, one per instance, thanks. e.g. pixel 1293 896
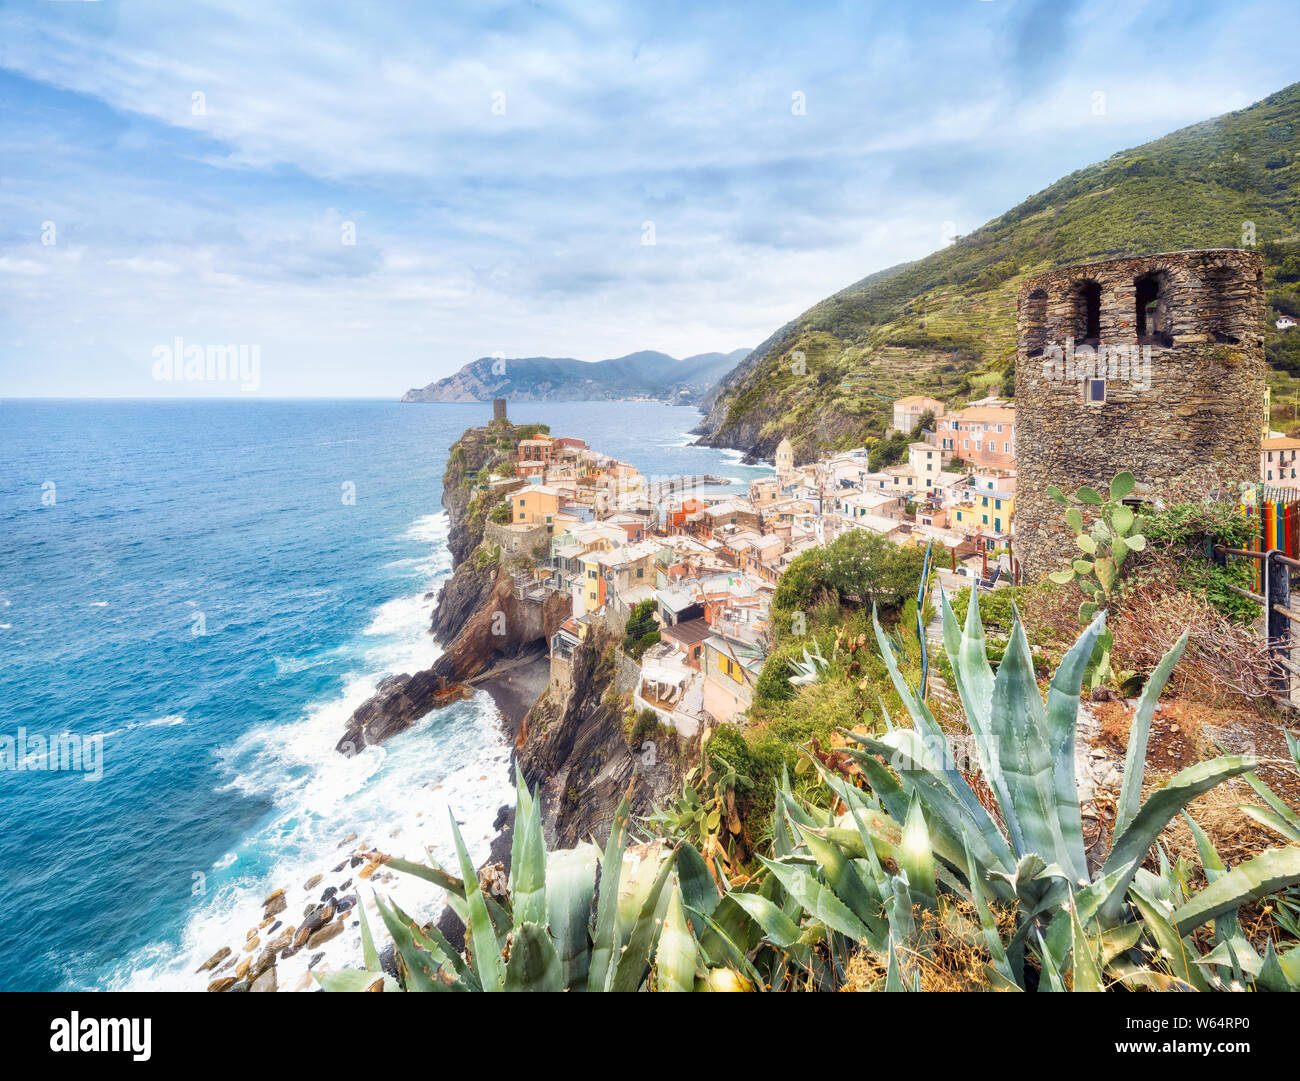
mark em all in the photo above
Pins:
pixel 499 411
pixel 1154 365
pixel 784 458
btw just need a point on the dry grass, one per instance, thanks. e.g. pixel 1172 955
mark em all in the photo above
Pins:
pixel 952 959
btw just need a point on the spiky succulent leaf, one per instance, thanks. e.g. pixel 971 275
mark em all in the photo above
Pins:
pixel 1259 876
pixel 570 887
pixel 534 965
pixel 1139 730
pixel 1121 487
pixel 675 955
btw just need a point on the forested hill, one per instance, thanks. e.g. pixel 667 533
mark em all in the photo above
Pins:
pixel 945 325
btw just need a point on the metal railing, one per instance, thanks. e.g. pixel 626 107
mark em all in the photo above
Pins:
pixel 1275 576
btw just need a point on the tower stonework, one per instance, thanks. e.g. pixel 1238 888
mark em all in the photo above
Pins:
pixel 1152 364
pixel 498 411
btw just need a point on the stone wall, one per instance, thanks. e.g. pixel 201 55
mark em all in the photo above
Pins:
pixel 1177 339
pixel 517 541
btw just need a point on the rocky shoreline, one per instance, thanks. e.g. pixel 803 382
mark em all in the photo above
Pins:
pixel 569 746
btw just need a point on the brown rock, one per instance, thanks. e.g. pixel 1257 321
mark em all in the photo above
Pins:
pixel 214 960
pixel 252 944
pixel 223 984
pixel 312 882
pixel 241 970
pixel 331 930
pixel 265 982
pixel 275 904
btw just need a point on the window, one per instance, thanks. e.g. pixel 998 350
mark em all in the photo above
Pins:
pixel 1096 391
pixel 1035 323
pixel 1150 316
pixel 1087 312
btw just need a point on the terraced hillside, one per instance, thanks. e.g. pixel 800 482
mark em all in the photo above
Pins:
pixel 945 325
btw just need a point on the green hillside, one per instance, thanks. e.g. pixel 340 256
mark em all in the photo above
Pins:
pixel 945 325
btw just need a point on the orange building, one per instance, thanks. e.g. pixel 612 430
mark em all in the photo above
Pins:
pixel 981 435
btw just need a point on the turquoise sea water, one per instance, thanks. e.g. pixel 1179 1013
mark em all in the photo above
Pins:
pixel 187 586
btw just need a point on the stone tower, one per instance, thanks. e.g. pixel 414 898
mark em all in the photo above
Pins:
pixel 1152 364
pixel 784 457
pixel 499 411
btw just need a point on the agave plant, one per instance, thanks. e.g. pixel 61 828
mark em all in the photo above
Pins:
pixel 924 819
pixel 542 936
pixel 811 669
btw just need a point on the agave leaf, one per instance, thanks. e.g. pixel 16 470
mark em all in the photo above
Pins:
pixel 432 941
pixel 634 962
pixel 369 955
pixel 1177 953
pixel 818 900
pixel 534 965
pixel 1271 820
pixel 1020 728
pixel 487 952
pixel 1273 975
pixel 527 861
pixel 843 878
pixel 570 887
pixel 719 929
pixel 893 975
pixel 915 856
pixel 352 980
pixel 675 955
pixel 432 873
pixel 779 929
pixel 698 888
pixel 1087 976
pixel 1136 757
pixel 1062 722
pixel 988 923
pixel 1259 876
pixel 952 817
pixel 604 947
pixel 1132 844
pixel 422 971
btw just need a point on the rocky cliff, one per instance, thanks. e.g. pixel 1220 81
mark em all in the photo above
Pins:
pixel 478 618
pixel 572 749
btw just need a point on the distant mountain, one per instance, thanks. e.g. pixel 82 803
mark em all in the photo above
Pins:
pixel 647 374
pixel 945 325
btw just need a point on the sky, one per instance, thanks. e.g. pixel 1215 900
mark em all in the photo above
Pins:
pixel 365 197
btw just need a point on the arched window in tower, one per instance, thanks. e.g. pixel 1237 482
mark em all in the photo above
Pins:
pixel 1035 327
pixel 1150 296
pixel 1087 313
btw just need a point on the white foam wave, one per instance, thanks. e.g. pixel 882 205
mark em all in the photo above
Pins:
pixel 395 798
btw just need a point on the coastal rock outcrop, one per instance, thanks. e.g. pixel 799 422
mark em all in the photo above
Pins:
pixel 572 748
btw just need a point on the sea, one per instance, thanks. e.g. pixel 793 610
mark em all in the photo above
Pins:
pixel 194 597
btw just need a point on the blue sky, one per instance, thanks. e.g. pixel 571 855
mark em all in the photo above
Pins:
pixel 190 170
